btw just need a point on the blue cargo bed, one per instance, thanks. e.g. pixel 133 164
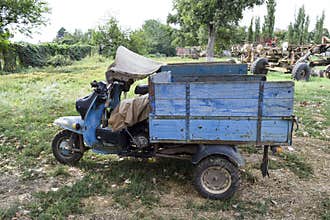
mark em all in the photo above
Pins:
pixel 229 107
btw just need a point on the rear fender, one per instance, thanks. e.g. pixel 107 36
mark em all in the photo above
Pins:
pixel 227 151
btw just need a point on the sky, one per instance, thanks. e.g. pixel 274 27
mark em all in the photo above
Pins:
pixel 131 14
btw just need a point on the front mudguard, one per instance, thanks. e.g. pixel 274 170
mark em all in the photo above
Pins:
pixel 70 123
pixel 227 151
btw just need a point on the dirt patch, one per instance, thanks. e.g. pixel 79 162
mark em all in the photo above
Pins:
pixel 282 196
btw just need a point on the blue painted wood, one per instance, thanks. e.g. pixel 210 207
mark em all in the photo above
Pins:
pixel 239 130
pixel 277 107
pixel 235 99
pixel 170 107
pixel 224 107
pixel 224 90
pixel 275 131
pixel 225 130
pixel 205 68
pixel 170 91
pixel 167 129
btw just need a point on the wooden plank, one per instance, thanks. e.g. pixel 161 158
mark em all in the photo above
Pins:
pixel 170 91
pixel 170 107
pixel 225 90
pixel 279 84
pixel 161 77
pixel 225 130
pixel 275 131
pixel 278 93
pixel 167 129
pixel 223 107
pixel 205 68
pixel 191 77
pixel 278 107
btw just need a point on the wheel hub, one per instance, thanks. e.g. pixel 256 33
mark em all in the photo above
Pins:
pixel 216 180
pixel 65 148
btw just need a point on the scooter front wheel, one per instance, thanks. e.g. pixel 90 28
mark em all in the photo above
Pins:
pixel 66 148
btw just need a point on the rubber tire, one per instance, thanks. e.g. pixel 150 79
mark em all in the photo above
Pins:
pixel 301 67
pixel 217 161
pixel 55 143
pixel 259 66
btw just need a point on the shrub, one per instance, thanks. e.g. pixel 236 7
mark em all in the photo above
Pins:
pixel 30 55
pixel 59 60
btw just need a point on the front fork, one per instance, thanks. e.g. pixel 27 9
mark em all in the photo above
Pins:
pixel 77 139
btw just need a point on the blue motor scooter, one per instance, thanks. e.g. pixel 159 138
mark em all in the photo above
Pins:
pixel 90 130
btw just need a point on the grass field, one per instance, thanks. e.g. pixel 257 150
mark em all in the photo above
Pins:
pixel 34 185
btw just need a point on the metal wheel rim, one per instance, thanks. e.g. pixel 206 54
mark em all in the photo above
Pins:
pixel 64 148
pixel 302 74
pixel 216 179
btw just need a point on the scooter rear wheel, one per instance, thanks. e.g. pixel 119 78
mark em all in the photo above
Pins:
pixel 65 148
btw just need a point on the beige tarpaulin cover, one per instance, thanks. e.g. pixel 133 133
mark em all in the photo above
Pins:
pixel 129 112
pixel 129 65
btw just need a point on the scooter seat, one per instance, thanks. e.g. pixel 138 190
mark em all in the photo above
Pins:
pixel 141 89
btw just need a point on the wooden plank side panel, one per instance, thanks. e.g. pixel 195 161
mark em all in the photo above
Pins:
pixel 167 129
pixel 275 131
pixel 224 130
pixel 224 90
pixel 278 90
pixel 224 107
pixel 170 91
pixel 205 68
pixel 277 107
pixel 170 107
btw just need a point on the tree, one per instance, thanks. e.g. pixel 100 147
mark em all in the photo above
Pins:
pixel 305 35
pixel 61 33
pixel 299 27
pixel 191 14
pixel 256 36
pixel 22 16
pixel 159 37
pixel 269 23
pixel 108 37
pixel 290 34
pixel 318 32
pixel 250 32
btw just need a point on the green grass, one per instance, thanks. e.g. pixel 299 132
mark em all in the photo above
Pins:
pixel 312 105
pixel 32 99
pixel 326 209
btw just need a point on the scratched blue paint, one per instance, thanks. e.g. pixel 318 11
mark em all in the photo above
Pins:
pixel 167 129
pixel 235 99
pixel 170 91
pixel 224 130
pixel 224 107
pixel 170 107
pixel 275 130
pixel 92 121
pixel 196 69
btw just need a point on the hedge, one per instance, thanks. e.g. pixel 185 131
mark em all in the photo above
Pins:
pixel 30 55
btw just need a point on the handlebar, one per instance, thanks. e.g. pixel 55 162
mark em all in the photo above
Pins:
pixel 94 84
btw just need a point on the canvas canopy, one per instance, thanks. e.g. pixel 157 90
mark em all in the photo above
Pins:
pixel 129 65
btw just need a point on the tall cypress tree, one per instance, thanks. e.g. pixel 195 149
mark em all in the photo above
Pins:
pixel 257 30
pixel 250 32
pixel 318 32
pixel 305 34
pixel 300 26
pixel 290 34
pixel 269 23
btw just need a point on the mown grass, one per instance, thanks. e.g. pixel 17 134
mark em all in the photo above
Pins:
pixel 32 99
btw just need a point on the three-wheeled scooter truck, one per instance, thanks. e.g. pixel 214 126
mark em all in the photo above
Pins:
pixel 202 111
